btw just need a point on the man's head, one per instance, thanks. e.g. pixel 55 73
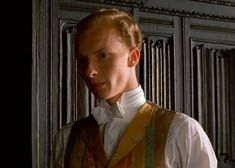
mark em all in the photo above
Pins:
pixel 122 21
pixel 108 47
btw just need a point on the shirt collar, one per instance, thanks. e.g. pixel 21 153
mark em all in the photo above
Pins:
pixel 125 108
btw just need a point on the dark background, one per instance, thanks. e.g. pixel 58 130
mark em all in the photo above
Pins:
pixel 25 44
pixel 16 80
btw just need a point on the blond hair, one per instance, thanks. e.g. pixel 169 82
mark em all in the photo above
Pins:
pixel 124 24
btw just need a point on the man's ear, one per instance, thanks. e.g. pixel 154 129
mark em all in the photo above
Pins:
pixel 134 57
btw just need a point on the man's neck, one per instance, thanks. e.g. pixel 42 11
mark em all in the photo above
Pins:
pixel 116 98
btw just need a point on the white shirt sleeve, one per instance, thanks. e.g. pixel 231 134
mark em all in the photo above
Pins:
pixel 187 145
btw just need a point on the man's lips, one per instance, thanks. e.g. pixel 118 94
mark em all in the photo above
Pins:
pixel 97 86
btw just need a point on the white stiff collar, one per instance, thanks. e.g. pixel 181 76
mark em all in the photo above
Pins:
pixel 125 108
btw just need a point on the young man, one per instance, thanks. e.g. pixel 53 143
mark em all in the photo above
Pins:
pixel 125 130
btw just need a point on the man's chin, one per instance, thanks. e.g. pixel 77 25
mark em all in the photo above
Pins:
pixel 99 96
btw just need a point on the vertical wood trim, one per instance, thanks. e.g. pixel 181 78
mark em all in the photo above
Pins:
pixel 160 72
pixel 218 106
pixel 222 137
pixel 60 78
pixel 230 58
pixel 69 82
pixel 169 78
pixel 187 56
pixel 42 88
pixel 144 65
pixel 211 107
pixel 193 76
pixel 158 95
pixel 149 68
pixel 199 84
pixel 178 64
pixel 225 121
pixel 153 81
pixel 164 65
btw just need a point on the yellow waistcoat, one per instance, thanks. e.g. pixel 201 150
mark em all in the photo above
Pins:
pixel 141 146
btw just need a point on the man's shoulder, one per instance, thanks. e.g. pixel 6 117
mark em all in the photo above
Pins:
pixel 81 122
pixel 185 124
pixel 185 119
pixel 85 122
pixel 180 119
pixel 67 127
pixel 159 109
pixel 179 116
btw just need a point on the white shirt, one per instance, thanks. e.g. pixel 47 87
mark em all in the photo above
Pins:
pixel 187 144
pixel 115 119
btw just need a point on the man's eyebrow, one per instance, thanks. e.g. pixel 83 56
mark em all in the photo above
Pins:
pixel 98 51
pixel 95 52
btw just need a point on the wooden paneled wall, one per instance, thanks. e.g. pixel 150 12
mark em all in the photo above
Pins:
pixel 187 65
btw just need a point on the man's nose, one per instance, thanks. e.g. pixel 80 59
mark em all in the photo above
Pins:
pixel 91 70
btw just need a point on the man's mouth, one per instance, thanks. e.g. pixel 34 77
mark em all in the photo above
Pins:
pixel 97 86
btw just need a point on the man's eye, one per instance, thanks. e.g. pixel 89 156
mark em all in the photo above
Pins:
pixel 104 55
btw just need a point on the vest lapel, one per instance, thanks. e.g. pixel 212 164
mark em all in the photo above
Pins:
pixel 91 137
pixel 135 132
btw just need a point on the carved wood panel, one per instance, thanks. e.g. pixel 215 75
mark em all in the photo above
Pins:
pixel 210 94
pixel 209 62
pixel 156 67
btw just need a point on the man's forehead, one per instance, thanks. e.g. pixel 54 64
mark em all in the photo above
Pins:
pixel 96 26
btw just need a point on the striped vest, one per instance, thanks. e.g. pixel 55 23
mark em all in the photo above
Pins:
pixel 141 146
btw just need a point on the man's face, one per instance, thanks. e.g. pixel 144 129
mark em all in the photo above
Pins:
pixel 103 63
